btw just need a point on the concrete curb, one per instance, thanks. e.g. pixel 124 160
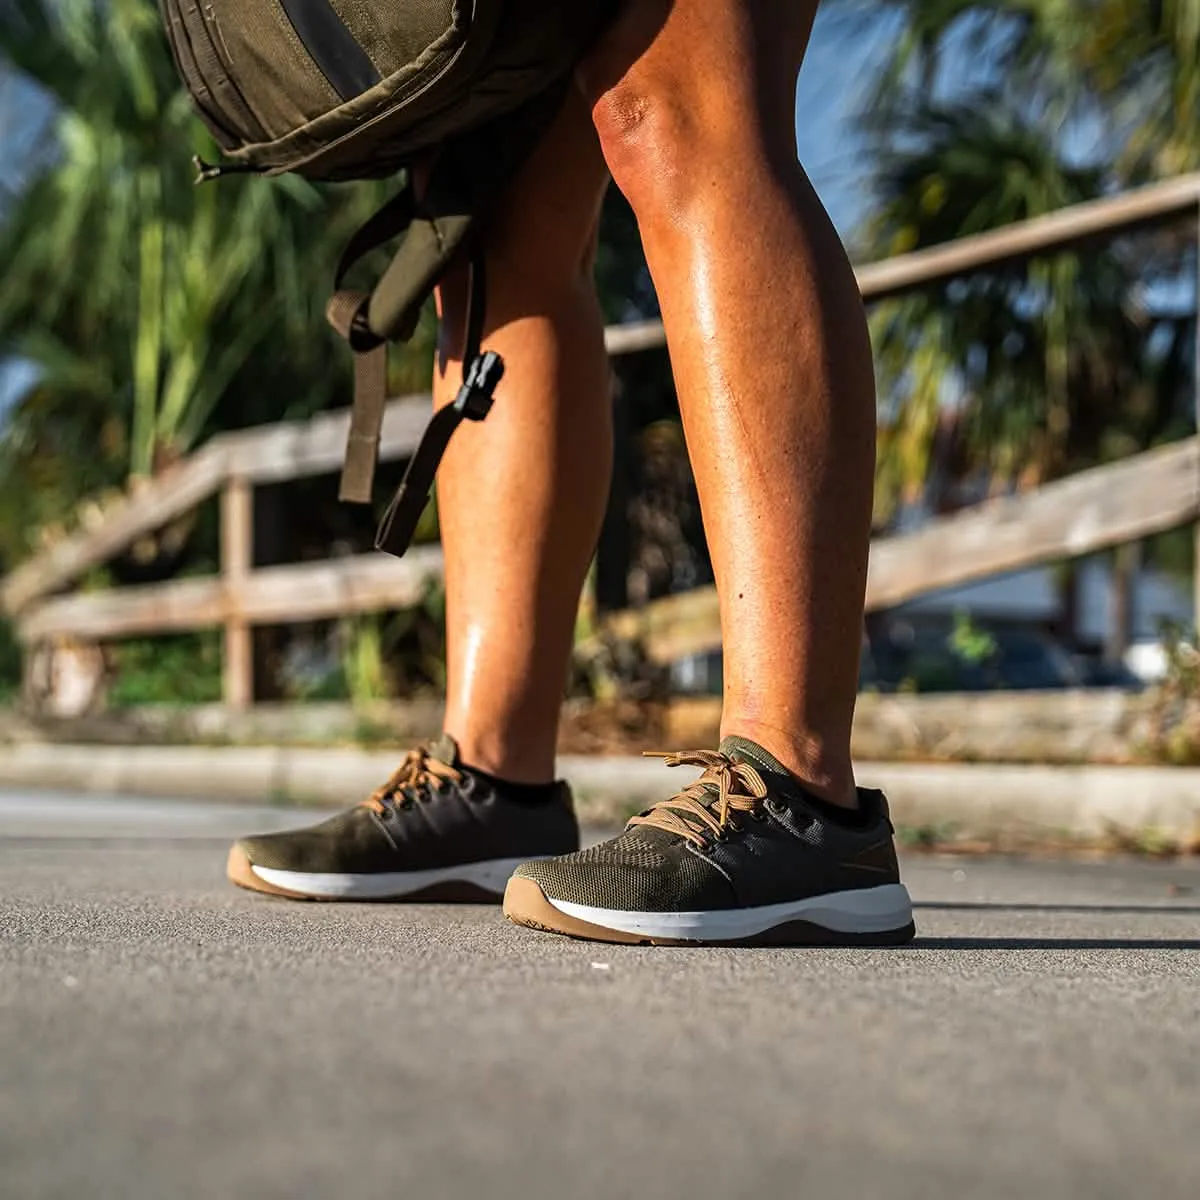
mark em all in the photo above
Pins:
pixel 975 800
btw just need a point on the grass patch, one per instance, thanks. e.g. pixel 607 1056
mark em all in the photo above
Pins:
pixel 184 669
pixel 926 837
pixel 1145 843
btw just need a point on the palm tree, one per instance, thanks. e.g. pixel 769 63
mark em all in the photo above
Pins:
pixel 987 113
pixel 154 311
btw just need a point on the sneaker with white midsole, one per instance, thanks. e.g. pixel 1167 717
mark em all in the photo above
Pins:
pixel 743 856
pixel 435 831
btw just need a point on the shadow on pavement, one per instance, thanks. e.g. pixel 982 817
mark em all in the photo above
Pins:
pixel 1124 909
pixel 1065 943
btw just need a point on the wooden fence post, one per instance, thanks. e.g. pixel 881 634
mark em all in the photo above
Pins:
pixel 1196 417
pixel 1126 570
pixel 237 553
pixel 613 549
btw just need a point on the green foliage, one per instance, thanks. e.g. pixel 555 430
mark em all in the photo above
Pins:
pixel 414 643
pixel 367 659
pixel 363 664
pixel 926 837
pixel 184 669
pixel 930 673
pixel 1173 553
pixel 1148 842
pixel 1174 726
pixel 971 644
pixel 1027 371
pixel 155 311
pixel 622 277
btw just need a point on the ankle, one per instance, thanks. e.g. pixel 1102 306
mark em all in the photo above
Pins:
pixel 529 795
pixel 827 774
pixel 507 761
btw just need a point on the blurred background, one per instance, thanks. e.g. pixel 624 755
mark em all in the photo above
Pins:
pixel 172 404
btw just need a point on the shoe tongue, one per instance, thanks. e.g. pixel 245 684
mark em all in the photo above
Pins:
pixel 445 750
pixel 775 775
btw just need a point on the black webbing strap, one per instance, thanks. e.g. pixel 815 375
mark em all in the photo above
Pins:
pixel 481 373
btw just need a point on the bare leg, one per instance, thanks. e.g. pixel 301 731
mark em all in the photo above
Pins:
pixel 694 102
pixel 521 495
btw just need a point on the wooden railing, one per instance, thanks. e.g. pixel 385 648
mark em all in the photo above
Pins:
pixel 1093 510
pixel 1105 507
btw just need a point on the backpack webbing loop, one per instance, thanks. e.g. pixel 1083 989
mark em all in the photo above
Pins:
pixel 430 242
pixel 366 426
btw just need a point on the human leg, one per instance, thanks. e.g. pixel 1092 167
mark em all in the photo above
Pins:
pixel 769 346
pixel 520 499
pixel 693 100
pixel 521 495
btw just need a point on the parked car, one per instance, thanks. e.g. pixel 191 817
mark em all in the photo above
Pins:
pixel 931 659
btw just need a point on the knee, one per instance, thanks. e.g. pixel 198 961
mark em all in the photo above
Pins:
pixel 649 139
pixel 665 145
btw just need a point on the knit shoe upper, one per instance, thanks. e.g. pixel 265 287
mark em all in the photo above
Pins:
pixel 742 854
pixel 434 830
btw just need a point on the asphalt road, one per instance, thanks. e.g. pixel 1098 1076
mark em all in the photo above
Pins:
pixel 163 1035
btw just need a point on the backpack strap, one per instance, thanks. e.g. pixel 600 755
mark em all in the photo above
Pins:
pixel 348 311
pixel 482 372
pixel 466 181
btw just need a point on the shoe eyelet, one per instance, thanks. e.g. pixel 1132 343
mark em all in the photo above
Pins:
pixel 733 827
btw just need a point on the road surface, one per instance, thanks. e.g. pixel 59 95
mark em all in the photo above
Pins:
pixel 163 1035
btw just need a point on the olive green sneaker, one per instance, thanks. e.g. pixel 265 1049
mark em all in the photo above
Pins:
pixel 743 856
pixel 435 831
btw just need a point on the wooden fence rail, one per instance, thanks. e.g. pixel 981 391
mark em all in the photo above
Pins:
pixel 269 596
pixel 273 453
pixel 1091 511
pixel 1094 510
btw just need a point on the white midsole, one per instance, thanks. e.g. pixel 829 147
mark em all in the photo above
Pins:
pixel 867 910
pixel 491 875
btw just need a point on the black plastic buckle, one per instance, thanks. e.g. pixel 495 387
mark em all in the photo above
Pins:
pixel 475 397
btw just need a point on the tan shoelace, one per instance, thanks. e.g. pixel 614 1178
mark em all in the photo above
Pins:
pixel 740 788
pixel 417 770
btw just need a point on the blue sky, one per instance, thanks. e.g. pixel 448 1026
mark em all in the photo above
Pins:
pixel 842 58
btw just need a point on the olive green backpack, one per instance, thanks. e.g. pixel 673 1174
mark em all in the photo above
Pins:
pixel 355 89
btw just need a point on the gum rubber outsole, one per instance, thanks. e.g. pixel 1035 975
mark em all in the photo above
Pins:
pixel 525 904
pixel 239 871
